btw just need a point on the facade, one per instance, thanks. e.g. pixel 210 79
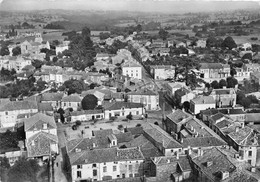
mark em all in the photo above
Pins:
pixel 214 71
pixel 202 103
pixel 148 98
pixel 123 109
pixel 10 110
pixel 132 69
pixel 71 101
pixel 225 97
pixel 162 72
pixel 106 164
pixel 86 115
pixel 61 48
pixel 41 136
pixel 52 98
pixel 16 63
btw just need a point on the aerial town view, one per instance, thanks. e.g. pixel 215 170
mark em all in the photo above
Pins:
pixel 129 91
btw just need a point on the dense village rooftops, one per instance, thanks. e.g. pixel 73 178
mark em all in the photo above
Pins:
pixel 213 162
pixel 40 144
pixel 120 105
pixel 85 112
pixel 203 100
pixel 52 96
pixel 161 137
pixel 211 66
pixel 182 161
pixel 208 141
pixel 18 105
pixel 178 116
pixel 37 120
pixel 243 136
pixel 147 148
pixel 105 155
pixel 71 98
pixel 142 92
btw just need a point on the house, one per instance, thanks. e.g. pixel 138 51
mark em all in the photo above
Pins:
pixel 202 103
pixel 71 101
pixel 163 141
pixel 255 77
pixel 245 141
pixel 53 98
pixel 214 71
pixel 241 74
pixel 172 87
pixel 132 69
pixel 62 47
pixel 216 165
pixel 201 43
pixel 251 67
pixel 225 97
pixel 162 72
pixel 10 110
pixel 160 51
pixel 252 118
pixel 112 109
pixel 86 115
pixel 174 121
pixel 183 95
pixel 148 98
pixel 14 62
pixel 171 168
pixel 41 136
pixel 106 164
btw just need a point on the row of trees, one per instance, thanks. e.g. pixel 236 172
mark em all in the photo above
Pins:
pixel 228 42
pixel 230 82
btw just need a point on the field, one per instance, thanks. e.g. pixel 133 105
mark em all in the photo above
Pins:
pixel 245 39
pixel 184 32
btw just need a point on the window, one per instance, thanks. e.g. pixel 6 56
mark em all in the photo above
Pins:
pixel 114 168
pixel 136 161
pixel 115 162
pixel 250 153
pixel 249 161
pixel 104 163
pixel 6 113
pixel 69 104
pixel 97 116
pixel 137 112
pixel 79 166
pixel 78 174
pixel 94 165
pixel 131 175
pixel 94 172
pixel 105 169
pixel 64 104
pixel 171 150
pixel 130 167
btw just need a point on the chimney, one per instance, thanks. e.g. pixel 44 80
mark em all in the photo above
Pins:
pixel 237 129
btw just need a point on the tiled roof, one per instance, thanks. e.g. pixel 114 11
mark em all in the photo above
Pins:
pixel 124 137
pixel 38 120
pixel 85 112
pixel 219 163
pixel 243 136
pixel 236 111
pixel 45 107
pixel 143 92
pixel 204 100
pixel 105 155
pixel 217 116
pixel 39 144
pixel 161 137
pixel 147 148
pixel 120 105
pixel 102 133
pixel 223 124
pixel 52 96
pixel 195 126
pixel 203 142
pixel 178 115
pixel 18 105
pixel 135 130
pixel 71 98
pixel 131 64
pixel 210 66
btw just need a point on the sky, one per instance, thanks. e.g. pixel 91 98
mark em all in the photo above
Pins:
pixel 173 6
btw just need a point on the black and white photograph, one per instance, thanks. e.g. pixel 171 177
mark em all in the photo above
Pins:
pixel 129 90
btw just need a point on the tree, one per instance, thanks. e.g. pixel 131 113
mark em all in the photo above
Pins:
pixel 222 83
pixel 215 84
pixel 231 82
pixel 138 28
pixel 4 166
pixel 16 51
pixel 211 42
pixel 229 43
pixel 129 116
pixel 233 72
pixel 4 51
pixel 89 102
pixel 247 56
pixel 24 170
pixel 85 32
pixel 163 34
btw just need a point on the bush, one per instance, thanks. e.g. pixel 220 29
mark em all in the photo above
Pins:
pixel 129 116
pixel 120 127
pixel 156 123
pixel 138 125
pixel 78 123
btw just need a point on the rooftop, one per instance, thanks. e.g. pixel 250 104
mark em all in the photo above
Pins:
pixel 71 98
pixel 52 96
pixel 120 105
pixel 178 115
pixel 242 136
pixel 37 121
pixel 208 141
pixel 204 100
pixel 18 105
pixel 85 112
pixel 211 66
